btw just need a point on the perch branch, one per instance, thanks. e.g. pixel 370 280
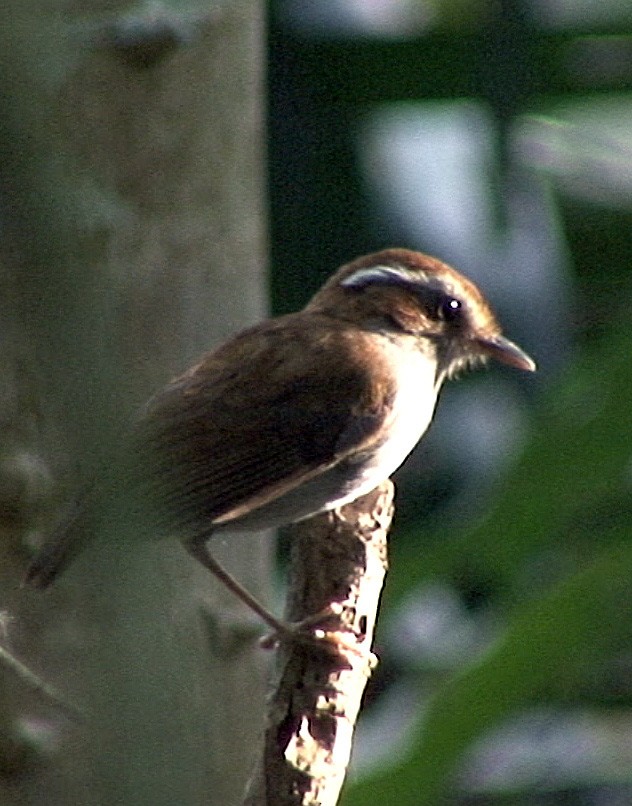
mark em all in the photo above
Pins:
pixel 338 559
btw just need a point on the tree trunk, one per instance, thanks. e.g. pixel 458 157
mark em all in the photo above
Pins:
pixel 131 157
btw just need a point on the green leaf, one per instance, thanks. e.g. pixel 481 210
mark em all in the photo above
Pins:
pixel 554 649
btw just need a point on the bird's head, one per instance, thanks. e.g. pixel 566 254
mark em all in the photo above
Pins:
pixel 411 294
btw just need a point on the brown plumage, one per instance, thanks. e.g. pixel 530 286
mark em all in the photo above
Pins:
pixel 311 410
pixel 264 413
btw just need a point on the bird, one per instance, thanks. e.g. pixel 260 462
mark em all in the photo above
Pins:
pixel 308 411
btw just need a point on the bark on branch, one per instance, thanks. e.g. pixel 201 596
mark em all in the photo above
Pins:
pixel 338 558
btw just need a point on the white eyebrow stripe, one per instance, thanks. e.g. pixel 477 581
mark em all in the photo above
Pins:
pixel 381 275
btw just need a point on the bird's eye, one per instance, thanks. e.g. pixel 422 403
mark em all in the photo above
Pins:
pixel 450 309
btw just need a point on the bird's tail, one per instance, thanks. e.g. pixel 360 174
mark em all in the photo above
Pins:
pixel 68 539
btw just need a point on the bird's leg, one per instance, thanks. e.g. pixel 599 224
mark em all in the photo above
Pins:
pixel 197 547
pixel 281 630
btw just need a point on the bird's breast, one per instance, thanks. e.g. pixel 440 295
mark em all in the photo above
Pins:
pixel 408 418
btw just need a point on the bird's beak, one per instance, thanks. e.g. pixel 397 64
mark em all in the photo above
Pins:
pixel 507 352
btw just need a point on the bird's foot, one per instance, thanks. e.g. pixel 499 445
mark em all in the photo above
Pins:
pixel 316 632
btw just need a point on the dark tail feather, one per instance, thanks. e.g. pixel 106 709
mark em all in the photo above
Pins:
pixel 68 539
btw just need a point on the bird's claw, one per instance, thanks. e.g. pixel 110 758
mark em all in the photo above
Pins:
pixel 339 642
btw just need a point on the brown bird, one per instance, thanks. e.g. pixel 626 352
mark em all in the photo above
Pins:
pixel 306 412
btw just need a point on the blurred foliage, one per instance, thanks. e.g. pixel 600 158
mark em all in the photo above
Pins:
pixel 556 551
pixel 552 555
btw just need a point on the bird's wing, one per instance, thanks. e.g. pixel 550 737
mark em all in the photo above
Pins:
pixel 262 415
